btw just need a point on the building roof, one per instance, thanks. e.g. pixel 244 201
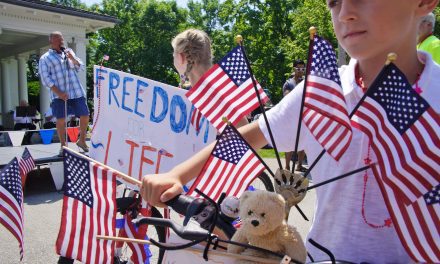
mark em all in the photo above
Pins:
pixel 46 6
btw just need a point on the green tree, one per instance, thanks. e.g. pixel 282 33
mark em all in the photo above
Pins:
pixel 71 3
pixel 264 25
pixel 158 23
pixel 140 43
pixel 437 19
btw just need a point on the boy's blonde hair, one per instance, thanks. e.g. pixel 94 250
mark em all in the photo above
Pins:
pixel 195 45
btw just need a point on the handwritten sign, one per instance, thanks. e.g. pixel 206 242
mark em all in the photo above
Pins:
pixel 141 126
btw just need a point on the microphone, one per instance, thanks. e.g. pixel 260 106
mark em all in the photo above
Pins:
pixel 65 51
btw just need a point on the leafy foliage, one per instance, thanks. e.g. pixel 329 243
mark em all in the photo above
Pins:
pixel 275 33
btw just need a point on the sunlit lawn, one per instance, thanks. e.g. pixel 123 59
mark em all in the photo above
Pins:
pixel 268 153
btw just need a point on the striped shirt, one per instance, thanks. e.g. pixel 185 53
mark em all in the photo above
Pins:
pixel 56 69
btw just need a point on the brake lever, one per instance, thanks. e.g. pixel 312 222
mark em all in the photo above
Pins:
pixel 191 231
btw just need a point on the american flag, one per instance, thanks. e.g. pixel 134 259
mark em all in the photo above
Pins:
pixel 140 253
pixel 404 133
pixel 231 167
pixel 325 111
pixel 26 164
pixel 196 118
pixel 11 202
pixel 226 90
pixel 89 209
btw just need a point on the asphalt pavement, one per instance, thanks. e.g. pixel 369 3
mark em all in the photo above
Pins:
pixel 42 213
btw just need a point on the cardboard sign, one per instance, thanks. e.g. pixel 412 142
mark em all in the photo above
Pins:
pixel 141 126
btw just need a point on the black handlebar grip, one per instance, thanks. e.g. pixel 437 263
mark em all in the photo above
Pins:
pixel 180 203
pixel 183 203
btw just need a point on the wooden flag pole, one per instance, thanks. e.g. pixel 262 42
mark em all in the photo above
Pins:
pixel 390 58
pixel 239 40
pixel 121 175
pixel 192 249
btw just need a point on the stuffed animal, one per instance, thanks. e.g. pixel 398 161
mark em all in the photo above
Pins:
pixel 263 225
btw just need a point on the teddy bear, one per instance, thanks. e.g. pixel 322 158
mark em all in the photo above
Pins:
pixel 263 225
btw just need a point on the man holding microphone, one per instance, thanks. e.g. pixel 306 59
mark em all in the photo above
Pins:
pixel 58 70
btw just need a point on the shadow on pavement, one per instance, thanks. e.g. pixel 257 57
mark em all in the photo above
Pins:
pixel 40 188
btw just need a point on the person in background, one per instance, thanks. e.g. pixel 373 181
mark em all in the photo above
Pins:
pixel 426 40
pixel 297 75
pixel 192 57
pixel 24 122
pixel 56 66
pixel 299 69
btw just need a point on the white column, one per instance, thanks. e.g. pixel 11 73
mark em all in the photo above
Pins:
pixel 44 92
pixel 80 51
pixel 13 81
pixel 22 77
pixel 6 91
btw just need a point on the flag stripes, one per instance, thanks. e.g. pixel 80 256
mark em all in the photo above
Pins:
pixel 231 167
pixel 410 224
pixel 226 90
pixel 139 255
pixel 215 94
pixel 196 118
pixel 11 202
pixel 395 154
pixel 231 179
pixel 26 164
pixel 325 110
pixel 87 212
pixel 11 217
pixel 404 134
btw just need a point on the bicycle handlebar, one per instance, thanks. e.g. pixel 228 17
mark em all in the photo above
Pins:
pixel 189 232
pixel 201 211
pixel 199 214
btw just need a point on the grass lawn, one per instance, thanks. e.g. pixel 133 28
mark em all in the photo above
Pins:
pixel 269 153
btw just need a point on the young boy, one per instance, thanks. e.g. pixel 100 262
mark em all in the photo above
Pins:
pixel 351 218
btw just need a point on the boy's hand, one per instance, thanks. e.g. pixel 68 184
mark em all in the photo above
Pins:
pixel 159 188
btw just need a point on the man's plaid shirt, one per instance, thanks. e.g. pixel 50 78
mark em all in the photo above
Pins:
pixel 53 69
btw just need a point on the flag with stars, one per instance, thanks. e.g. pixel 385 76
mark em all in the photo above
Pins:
pixel 26 164
pixel 11 202
pixel 231 167
pixel 226 90
pixel 325 111
pixel 404 134
pixel 89 209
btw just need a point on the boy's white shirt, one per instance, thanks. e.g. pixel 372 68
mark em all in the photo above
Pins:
pixel 338 222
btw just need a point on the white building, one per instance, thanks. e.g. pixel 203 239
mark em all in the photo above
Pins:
pixel 25 26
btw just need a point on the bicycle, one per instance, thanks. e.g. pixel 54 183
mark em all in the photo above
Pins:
pixel 130 203
pixel 201 216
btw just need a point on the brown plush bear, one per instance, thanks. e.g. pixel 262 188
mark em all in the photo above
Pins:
pixel 263 225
